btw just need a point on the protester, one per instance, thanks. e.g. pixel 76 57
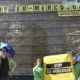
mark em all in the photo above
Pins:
pixel 7 65
pixel 76 67
pixel 38 71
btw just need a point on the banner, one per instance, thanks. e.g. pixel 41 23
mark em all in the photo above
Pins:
pixel 61 9
pixel 47 7
pixel 58 67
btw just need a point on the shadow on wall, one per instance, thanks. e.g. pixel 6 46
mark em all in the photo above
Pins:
pixel 29 41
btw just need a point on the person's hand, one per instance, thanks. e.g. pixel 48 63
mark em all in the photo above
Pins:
pixel 10 74
pixel 78 78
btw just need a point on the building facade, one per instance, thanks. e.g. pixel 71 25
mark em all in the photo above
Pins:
pixel 38 34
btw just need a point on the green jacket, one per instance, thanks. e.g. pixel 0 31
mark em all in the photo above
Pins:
pixel 38 73
pixel 77 71
pixel 12 65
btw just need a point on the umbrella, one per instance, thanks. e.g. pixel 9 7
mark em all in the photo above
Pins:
pixel 10 49
pixel 78 57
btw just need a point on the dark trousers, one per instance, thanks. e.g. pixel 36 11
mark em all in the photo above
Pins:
pixel 4 78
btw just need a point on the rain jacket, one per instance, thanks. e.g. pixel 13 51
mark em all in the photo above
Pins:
pixel 12 65
pixel 77 71
pixel 38 72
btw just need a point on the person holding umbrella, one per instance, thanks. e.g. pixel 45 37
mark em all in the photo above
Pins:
pixel 7 65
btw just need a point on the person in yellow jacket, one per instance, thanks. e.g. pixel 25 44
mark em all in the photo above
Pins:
pixel 38 70
pixel 7 65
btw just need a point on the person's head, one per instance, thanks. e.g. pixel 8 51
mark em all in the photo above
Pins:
pixel 74 59
pixel 4 51
pixel 39 61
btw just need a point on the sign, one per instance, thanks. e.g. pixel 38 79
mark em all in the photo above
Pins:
pixel 4 9
pixel 62 9
pixel 58 67
pixel 47 8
